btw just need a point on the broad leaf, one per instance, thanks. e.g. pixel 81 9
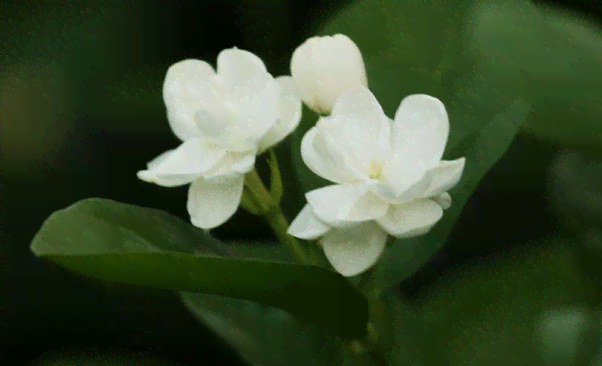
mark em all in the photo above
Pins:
pixel 574 191
pixel 399 332
pixel 406 256
pixel 410 345
pixel 575 187
pixel 262 335
pixel 505 310
pixel 113 241
pixel 556 55
pixel 523 169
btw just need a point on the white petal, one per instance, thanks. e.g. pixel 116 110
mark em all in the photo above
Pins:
pixel 166 181
pixel 324 67
pixel 246 113
pixel 239 107
pixel 446 174
pixel 302 73
pixel 358 140
pixel 361 101
pixel 180 93
pixel 289 114
pixel 231 165
pixel 182 165
pixel 222 130
pixel 410 219
pixel 402 180
pixel 307 226
pixel 323 163
pixel 159 159
pixel 191 157
pixel 235 65
pixel 354 250
pixel 443 199
pixel 420 129
pixel 341 205
pixel 210 205
pixel 257 105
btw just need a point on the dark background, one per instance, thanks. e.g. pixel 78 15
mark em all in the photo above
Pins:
pixel 82 112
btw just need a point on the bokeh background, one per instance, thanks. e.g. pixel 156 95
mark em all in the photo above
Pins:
pixel 81 112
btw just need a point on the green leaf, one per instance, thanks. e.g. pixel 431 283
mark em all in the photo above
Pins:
pixel 410 345
pixel 262 335
pixel 493 313
pixel 523 169
pixel 406 256
pixel 575 187
pixel 574 191
pixel 555 55
pixel 112 241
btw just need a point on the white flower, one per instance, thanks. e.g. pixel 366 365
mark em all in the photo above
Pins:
pixel 389 174
pixel 224 120
pixel 323 67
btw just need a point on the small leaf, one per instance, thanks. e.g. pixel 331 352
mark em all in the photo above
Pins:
pixel 112 241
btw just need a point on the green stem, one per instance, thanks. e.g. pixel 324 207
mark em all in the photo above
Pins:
pixel 248 203
pixel 270 210
pixel 273 215
pixel 276 188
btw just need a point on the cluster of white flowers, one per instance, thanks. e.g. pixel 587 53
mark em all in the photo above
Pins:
pixel 388 174
pixel 224 120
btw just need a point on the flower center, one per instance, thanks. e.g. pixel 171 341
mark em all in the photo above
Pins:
pixel 233 124
pixel 375 169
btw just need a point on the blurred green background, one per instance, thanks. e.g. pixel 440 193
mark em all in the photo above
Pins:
pixel 81 112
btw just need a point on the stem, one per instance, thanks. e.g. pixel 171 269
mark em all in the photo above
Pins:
pixel 276 188
pixel 270 210
pixel 273 214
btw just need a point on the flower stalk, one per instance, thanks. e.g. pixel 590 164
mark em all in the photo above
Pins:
pixel 276 188
pixel 270 210
pixel 247 202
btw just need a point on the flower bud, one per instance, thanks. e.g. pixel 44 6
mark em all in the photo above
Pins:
pixel 323 67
